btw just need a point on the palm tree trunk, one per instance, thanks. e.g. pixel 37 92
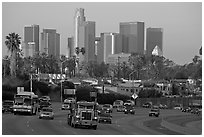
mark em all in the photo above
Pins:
pixel 13 64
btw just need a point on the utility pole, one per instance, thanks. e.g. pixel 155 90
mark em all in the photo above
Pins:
pixel 31 84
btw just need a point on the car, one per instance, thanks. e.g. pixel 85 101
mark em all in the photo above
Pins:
pixel 108 108
pixel 129 102
pixel 147 105
pixel 154 112
pixel 120 108
pixel 117 103
pixel 99 108
pixel 186 109
pixel 105 118
pixel 196 111
pixel 43 104
pixel 163 106
pixel 7 106
pixel 178 107
pixel 129 109
pixel 45 98
pixel 46 112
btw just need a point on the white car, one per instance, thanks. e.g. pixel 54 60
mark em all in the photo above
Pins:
pixel 129 103
pixel 178 107
pixel 46 112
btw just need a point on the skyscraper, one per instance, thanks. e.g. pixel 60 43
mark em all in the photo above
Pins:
pixel 31 40
pixel 109 44
pixel 154 37
pixel 70 47
pixel 89 41
pixel 84 38
pixel 79 20
pixel 132 37
pixel 50 42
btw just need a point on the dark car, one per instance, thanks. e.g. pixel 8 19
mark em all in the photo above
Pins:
pixel 196 111
pixel 105 117
pixel 108 108
pixel 45 98
pixel 120 108
pixel 129 109
pixel 154 112
pixel 147 105
pixel 186 109
pixel 7 106
pixel 44 104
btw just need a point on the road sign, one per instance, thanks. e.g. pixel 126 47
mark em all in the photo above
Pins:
pixel 69 91
pixel 134 96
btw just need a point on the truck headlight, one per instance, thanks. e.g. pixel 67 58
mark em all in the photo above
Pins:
pixel 77 116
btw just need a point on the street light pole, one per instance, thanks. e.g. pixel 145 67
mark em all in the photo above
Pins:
pixel 61 79
pixel 31 84
pixel 118 67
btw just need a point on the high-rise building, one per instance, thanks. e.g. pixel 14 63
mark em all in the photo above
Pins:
pixel 50 42
pixel 79 20
pixel 132 37
pixel 154 37
pixel 31 40
pixel 70 47
pixel 110 43
pixel 84 38
pixel 89 44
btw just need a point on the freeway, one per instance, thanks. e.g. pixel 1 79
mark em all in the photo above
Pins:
pixel 122 124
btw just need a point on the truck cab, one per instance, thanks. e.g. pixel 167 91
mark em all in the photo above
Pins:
pixel 83 114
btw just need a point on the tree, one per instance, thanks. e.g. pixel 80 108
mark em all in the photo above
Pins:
pixel 77 50
pixel 5 66
pixel 83 50
pixel 137 61
pixel 13 42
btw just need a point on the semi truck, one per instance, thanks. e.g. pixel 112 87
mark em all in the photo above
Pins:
pixel 83 113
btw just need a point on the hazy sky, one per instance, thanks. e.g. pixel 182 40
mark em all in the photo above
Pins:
pixel 182 22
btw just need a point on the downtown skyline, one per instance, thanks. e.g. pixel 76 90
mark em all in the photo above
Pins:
pixel 178 33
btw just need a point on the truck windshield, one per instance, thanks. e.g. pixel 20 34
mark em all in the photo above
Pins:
pixel 18 101
pixel 27 101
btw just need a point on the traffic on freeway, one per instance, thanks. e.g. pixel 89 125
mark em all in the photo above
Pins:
pixel 84 120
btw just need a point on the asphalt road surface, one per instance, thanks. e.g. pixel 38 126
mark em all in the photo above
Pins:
pixel 122 124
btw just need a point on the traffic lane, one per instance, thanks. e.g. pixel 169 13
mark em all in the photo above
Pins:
pixel 16 124
pixel 155 124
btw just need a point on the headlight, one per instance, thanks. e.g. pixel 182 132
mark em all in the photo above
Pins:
pixel 14 109
pixel 131 110
pixel 125 109
pixel 29 110
pixel 95 117
pixel 77 116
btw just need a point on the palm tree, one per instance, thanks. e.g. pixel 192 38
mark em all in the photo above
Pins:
pixel 13 42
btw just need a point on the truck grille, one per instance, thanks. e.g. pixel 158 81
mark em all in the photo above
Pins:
pixel 86 116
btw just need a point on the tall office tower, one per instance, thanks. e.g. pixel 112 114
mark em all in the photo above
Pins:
pixel 133 37
pixel 90 41
pixel 97 46
pixel 154 37
pixel 118 43
pixel 110 43
pixel 79 20
pixel 50 42
pixel 70 47
pixel 31 40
